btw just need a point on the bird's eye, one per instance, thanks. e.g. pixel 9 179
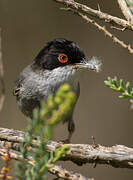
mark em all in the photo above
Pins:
pixel 63 58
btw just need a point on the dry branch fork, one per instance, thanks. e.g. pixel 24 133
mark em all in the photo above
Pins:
pixel 88 14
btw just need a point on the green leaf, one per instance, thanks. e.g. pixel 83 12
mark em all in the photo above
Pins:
pixel 131 100
pixel 115 82
pixel 107 83
pixel 126 91
pixel 121 85
pixel 128 87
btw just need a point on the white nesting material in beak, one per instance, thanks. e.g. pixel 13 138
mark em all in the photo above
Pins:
pixel 93 64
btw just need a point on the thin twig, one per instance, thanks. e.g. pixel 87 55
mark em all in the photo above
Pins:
pixel 126 10
pixel 55 170
pixel 2 96
pixel 96 13
pixel 107 33
pixel 117 28
pixel 118 156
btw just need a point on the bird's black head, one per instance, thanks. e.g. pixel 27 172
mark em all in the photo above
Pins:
pixel 59 52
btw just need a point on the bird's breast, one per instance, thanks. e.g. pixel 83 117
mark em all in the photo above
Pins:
pixel 38 85
pixel 49 81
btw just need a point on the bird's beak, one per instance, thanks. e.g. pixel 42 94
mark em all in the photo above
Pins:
pixel 93 64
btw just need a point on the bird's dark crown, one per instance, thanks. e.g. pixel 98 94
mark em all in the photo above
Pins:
pixel 59 52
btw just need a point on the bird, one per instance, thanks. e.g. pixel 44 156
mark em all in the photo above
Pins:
pixel 58 62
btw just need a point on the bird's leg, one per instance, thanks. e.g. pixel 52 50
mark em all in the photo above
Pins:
pixel 71 129
pixel 68 140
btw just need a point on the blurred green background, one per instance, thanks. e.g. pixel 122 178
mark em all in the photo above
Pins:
pixel 26 27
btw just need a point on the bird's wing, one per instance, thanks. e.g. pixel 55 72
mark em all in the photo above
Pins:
pixel 19 82
pixel 17 87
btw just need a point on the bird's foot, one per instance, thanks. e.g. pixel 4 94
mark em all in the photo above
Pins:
pixel 65 141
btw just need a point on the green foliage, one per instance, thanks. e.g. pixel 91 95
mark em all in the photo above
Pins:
pixel 118 86
pixel 41 127
pixel 130 3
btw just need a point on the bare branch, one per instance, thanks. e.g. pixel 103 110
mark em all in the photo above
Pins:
pixel 2 96
pixel 107 33
pixel 78 8
pixel 116 156
pixel 55 170
pixel 65 174
pixel 126 9
pixel 96 13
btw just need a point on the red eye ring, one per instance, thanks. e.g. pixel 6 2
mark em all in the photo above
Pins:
pixel 63 58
